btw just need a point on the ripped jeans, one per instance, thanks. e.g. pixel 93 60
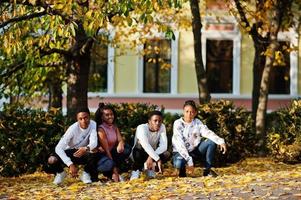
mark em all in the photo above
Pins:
pixel 205 149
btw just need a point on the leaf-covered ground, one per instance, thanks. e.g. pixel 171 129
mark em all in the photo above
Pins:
pixel 253 178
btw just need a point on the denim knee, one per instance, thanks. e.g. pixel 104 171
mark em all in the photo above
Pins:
pixel 211 143
pixel 105 164
pixel 178 161
pixel 207 145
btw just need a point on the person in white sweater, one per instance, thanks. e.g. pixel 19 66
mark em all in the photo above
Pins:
pixel 150 146
pixel 191 138
pixel 75 148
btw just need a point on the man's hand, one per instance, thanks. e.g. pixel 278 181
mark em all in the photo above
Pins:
pixel 73 170
pixel 120 147
pixel 159 164
pixel 149 163
pixel 80 152
pixel 223 148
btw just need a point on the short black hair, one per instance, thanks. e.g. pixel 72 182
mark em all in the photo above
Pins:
pixel 190 103
pixel 154 112
pixel 83 109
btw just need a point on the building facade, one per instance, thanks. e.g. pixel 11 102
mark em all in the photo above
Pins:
pixel 165 74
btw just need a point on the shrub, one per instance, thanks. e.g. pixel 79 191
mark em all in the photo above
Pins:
pixel 234 124
pixel 284 133
pixel 168 120
pixel 27 137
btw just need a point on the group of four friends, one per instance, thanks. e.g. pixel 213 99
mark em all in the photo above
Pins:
pixel 99 146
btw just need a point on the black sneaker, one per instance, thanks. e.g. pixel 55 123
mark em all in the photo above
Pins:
pixel 182 172
pixel 209 172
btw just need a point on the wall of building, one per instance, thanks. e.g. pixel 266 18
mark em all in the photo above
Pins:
pixel 187 82
pixel 247 57
pixel 126 76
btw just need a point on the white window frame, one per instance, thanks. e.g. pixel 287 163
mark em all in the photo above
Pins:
pixel 110 72
pixel 292 38
pixel 233 35
pixel 173 72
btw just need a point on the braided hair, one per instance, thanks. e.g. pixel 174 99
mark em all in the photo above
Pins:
pixel 99 113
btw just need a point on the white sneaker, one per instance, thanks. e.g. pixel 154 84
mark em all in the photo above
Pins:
pixel 135 175
pixel 59 178
pixel 150 173
pixel 121 179
pixel 85 178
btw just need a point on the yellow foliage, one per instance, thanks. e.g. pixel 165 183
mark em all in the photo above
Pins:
pixel 33 2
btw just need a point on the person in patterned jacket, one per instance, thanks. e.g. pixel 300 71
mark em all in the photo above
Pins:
pixel 192 139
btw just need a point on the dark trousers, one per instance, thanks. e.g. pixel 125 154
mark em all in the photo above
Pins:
pixel 89 160
pixel 140 156
pixel 120 160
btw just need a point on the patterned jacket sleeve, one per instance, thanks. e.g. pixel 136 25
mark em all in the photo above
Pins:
pixel 178 143
pixel 207 133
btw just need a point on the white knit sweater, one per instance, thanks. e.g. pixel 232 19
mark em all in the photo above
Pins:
pixel 76 137
pixel 153 143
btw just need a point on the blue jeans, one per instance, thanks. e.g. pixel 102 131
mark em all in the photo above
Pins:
pixel 105 164
pixel 120 159
pixel 205 149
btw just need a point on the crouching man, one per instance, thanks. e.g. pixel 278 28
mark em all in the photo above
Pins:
pixel 150 146
pixel 75 148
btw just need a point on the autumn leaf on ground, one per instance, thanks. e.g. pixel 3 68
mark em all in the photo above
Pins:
pixel 253 178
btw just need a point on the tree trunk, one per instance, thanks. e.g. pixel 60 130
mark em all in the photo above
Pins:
pixel 55 94
pixel 258 65
pixel 204 95
pixel 78 73
pixel 264 86
pixel 77 91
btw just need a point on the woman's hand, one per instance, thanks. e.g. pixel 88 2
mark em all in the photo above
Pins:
pixel 190 170
pixel 223 148
pixel 120 147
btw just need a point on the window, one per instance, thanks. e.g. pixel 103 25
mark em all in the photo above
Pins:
pixel 221 51
pixel 219 65
pixel 98 78
pixel 157 66
pixel 101 75
pixel 280 74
